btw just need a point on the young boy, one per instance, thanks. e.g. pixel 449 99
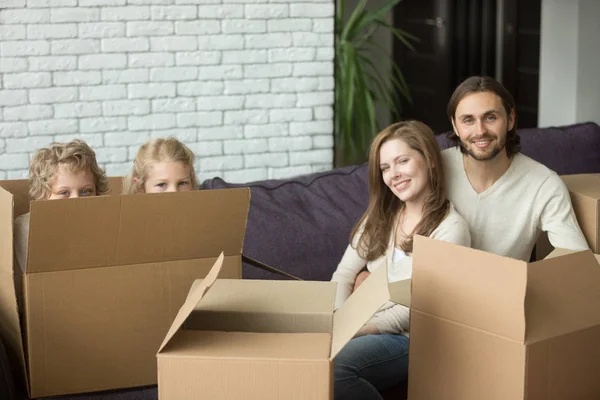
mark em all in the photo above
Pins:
pixel 60 171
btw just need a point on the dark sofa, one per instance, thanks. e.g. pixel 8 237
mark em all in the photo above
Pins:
pixel 302 225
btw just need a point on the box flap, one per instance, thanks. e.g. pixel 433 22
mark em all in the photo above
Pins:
pixel 185 225
pixel 19 188
pixel 250 345
pixel 563 252
pixel 563 295
pixel 585 184
pixel 585 198
pixel 358 308
pixel 400 292
pixel 193 299
pixel 133 229
pixel 470 287
pixel 265 306
pixel 559 252
pixel 10 328
pixel 270 296
pixel 73 234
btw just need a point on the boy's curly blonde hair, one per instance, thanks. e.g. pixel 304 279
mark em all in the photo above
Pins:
pixel 153 151
pixel 75 155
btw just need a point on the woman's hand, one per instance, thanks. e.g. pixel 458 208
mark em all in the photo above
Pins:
pixel 360 278
pixel 368 329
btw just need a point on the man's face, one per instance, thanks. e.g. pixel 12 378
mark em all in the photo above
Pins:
pixel 481 123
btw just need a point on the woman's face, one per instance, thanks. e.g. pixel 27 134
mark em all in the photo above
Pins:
pixel 72 184
pixel 404 171
pixel 168 176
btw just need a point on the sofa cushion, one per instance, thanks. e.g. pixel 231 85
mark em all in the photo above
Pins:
pixel 572 149
pixel 302 225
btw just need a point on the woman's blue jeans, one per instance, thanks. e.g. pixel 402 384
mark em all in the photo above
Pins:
pixel 370 364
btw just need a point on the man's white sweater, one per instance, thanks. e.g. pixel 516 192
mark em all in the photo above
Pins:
pixel 507 218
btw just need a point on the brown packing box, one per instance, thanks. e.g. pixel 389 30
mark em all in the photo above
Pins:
pixel 105 278
pixel 585 197
pixel 490 327
pixel 235 339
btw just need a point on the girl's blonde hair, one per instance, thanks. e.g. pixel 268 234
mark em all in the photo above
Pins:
pixel 154 151
pixel 75 155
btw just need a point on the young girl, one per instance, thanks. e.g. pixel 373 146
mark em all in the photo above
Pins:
pixel 406 197
pixel 61 171
pixel 162 165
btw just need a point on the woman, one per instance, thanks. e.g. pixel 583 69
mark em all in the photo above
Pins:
pixel 406 197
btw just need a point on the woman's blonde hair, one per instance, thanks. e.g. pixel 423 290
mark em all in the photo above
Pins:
pixel 153 151
pixel 75 155
pixel 384 206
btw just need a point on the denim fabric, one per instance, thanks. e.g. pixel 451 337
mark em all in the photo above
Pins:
pixel 370 364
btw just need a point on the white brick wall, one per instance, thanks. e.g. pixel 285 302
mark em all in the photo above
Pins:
pixel 246 84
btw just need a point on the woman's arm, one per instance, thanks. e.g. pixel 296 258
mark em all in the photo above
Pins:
pixel 345 274
pixel 394 319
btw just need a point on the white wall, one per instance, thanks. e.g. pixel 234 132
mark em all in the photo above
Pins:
pixel 588 78
pixel 247 84
pixel 569 62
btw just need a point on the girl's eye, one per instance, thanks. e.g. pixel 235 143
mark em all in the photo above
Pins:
pixel 384 169
pixel 63 193
pixel 85 192
pixel 161 185
pixel 184 183
pixel 404 161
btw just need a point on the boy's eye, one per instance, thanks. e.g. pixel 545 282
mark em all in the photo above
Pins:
pixel 63 193
pixel 161 185
pixel 491 117
pixel 184 183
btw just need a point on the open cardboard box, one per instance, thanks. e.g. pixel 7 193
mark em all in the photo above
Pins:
pixel 105 277
pixel 490 327
pixel 235 339
pixel 482 327
pixel 585 197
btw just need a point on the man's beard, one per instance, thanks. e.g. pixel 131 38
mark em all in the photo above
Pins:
pixel 500 145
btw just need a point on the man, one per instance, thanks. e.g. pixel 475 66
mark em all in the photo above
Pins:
pixel 506 198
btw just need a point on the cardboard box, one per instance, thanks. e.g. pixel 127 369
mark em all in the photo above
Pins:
pixel 235 339
pixel 105 278
pixel 490 327
pixel 585 197
pixel 562 252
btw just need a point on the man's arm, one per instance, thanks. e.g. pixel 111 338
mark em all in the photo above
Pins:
pixel 557 216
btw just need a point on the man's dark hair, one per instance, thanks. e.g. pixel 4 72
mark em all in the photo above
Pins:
pixel 478 84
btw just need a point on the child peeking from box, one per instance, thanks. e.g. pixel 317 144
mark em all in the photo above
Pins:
pixel 162 165
pixel 60 171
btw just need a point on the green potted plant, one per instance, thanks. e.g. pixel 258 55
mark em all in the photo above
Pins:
pixel 359 85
